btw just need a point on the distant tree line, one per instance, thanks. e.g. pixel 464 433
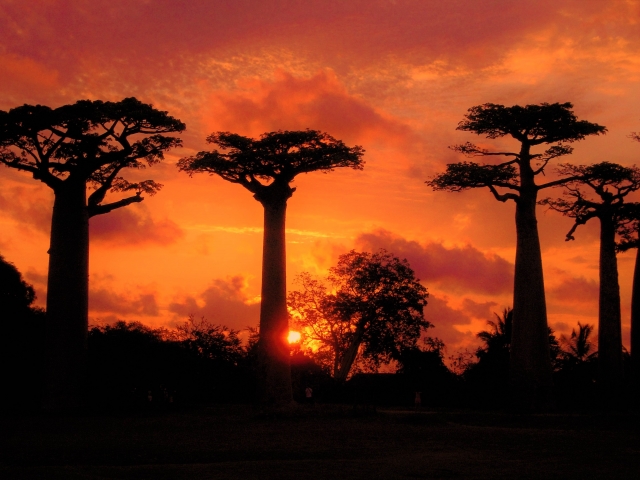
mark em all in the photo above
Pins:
pixel 133 367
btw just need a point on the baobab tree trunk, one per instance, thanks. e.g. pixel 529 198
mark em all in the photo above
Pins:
pixel 274 384
pixel 530 362
pixel 610 367
pixel 67 298
pixel 635 327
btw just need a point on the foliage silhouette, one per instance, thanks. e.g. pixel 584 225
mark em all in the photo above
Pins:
pixel 488 378
pixel 576 377
pixel 530 126
pixel 375 309
pixel 21 341
pixel 200 362
pixel 68 148
pixel 610 184
pixel 266 167
pixel 426 372
pixel 578 348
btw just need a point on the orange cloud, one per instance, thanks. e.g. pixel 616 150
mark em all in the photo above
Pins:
pixel 319 102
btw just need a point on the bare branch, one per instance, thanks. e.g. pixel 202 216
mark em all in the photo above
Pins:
pixel 102 209
pixel 503 197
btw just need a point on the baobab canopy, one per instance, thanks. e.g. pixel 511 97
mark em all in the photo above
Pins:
pixel 276 155
pixel 88 141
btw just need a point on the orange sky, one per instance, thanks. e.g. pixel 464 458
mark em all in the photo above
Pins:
pixel 394 76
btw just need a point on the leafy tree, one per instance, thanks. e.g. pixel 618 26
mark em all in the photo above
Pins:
pixel 210 341
pixel 266 167
pixel 515 180
pixel 578 347
pixel 576 377
pixel 21 340
pixel 69 148
pixel 610 184
pixel 16 295
pixel 374 306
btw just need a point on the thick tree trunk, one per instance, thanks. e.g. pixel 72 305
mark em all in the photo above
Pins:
pixel 530 362
pixel 635 327
pixel 610 368
pixel 274 386
pixel 67 299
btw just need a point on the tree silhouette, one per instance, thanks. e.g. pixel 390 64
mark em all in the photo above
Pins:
pixel 630 238
pixel 530 126
pixel 376 303
pixel 21 340
pixel 578 347
pixel 610 183
pixel 266 167
pixel 68 148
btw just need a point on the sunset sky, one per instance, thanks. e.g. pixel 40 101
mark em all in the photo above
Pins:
pixel 394 76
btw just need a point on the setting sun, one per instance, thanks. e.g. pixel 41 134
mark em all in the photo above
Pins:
pixel 294 337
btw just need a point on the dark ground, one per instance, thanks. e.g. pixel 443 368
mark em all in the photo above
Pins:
pixel 319 442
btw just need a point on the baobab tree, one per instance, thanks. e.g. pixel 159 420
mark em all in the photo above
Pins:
pixel 70 148
pixel 266 167
pixel 630 238
pixel 515 180
pixel 610 184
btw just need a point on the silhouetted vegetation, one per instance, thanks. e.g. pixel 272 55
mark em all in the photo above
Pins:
pixel 136 367
pixel 140 367
pixel 21 341
pixel 530 126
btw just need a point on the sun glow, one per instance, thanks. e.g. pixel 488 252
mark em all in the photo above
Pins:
pixel 294 337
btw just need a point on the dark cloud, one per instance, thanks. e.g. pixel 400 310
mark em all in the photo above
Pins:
pixel 443 317
pixel 225 302
pixel 102 300
pixel 484 310
pixel 133 225
pixel 575 290
pixel 456 269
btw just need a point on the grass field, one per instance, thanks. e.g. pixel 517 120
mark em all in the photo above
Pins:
pixel 230 442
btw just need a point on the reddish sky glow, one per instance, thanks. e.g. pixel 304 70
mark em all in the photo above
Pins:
pixel 394 76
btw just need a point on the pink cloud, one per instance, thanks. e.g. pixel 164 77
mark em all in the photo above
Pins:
pixel 573 294
pixel 133 225
pixel 444 318
pixel 456 269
